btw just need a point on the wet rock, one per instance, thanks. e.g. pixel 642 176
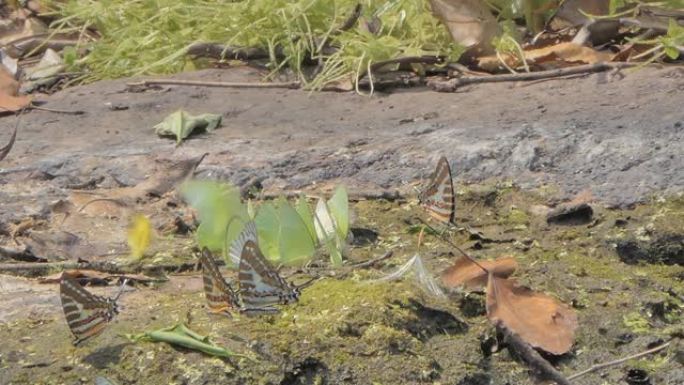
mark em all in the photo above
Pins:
pixel 309 371
pixel 570 214
pixel 473 305
pixel 667 249
pixel 637 377
pixel 476 379
pixel 363 237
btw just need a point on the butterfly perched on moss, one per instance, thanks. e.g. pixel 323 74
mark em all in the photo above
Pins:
pixel 86 314
pixel 438 196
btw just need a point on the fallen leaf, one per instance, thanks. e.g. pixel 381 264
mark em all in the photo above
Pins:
pixel 181 124
pixel 9 101
pixel 466 273
pixel 554 56
pixel 537 318
pixel 470 22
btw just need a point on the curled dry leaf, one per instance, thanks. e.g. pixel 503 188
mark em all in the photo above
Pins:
pixel 467 274
pixel 538 319
pixel 9 101
pixel 559 55
pixel 469 22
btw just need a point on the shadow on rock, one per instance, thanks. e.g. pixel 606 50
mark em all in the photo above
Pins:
pixel 667 249
pixel 430 322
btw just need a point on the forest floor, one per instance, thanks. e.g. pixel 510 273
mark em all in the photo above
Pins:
pixel 517 150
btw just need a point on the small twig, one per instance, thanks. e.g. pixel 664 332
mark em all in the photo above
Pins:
pixel 40 268
pixel 5 150
pixel 372 261
pixel 408 60
pixel 172 82
pixel 619 361
pixel 68 112
pixel 220 51
pixel 452 85
pixel 351 20
pixel 533 359
pixel 354 196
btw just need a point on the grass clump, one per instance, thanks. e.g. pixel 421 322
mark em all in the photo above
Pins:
pixel 149 37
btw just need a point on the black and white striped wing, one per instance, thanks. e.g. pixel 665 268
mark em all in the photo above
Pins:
pixel 221 297
pixel 86 314
pixel 438 196
pixel 260 284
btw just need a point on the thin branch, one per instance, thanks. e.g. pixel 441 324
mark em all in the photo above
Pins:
pixel 172 82
pixel 220 51
pixel 452 85
pixel 533 359
pixel 408 60
pixel 5 150
pixel 619 361
pixel 372 261
pixel 68 112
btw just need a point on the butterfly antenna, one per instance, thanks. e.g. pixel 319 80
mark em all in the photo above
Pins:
pixel 447 241
pixel 121 289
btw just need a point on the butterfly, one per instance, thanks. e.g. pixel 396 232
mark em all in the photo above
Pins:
pixel 261 286
pixel 220 295
pixel 438 197
pixel 86 314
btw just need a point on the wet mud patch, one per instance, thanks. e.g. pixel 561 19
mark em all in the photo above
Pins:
pixel 350 329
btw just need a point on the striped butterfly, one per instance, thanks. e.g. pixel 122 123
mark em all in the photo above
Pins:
pixel 261 286
pixel 220 295
pixel 86 314
pixel 438 196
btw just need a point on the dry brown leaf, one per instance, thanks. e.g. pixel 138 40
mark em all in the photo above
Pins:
pixel 470 22
pixel 465 273
pixel 559 55
pixel 537 318
pixel 9 101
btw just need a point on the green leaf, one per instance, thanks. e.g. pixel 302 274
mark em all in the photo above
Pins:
pixel 296 244
pixel 216 204
pixel 181 124
pixel 268 229
pixel 304 211
pixel 339 209
pixel 181 335
pixel 672 52
pixel 327 233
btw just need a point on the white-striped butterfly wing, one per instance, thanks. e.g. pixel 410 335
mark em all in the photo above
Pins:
pixel 86 314
pixel 260 284
pixel 438 196
pixel 221 297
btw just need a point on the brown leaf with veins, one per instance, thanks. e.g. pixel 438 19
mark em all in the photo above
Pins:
pixel 466 273
pixel 537 318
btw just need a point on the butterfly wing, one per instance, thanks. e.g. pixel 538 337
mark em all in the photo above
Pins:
pixel 260 284
pixel 438 196
pixel 220 295
pixel 86 314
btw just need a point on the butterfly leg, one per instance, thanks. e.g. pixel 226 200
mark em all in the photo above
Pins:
pixel 225 310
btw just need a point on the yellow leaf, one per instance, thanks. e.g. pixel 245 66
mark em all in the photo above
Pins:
pixel 139 235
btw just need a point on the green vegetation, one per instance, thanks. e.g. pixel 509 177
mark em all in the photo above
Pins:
pixel 152 37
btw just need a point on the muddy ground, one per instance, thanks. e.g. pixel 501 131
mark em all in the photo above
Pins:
pixel 516 150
